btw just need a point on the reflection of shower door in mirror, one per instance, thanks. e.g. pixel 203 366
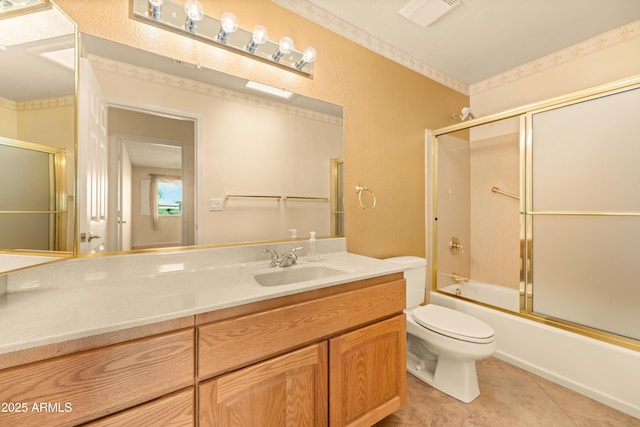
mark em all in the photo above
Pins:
pixel 92 173
pixel 28 211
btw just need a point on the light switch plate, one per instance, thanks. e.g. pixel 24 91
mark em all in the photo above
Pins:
pixel 216 205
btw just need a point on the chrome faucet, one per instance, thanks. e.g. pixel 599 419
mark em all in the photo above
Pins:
pixel 283 260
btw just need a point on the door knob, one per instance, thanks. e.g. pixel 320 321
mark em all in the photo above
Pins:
pixel 87 237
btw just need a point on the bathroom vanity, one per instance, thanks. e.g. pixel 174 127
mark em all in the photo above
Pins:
pixel 326 351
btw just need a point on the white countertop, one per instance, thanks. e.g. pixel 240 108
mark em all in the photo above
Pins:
pixel 69 300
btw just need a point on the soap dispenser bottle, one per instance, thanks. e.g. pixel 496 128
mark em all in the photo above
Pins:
pixel 313 247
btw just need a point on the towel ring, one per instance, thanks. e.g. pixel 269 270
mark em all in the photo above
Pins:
pixel 362 189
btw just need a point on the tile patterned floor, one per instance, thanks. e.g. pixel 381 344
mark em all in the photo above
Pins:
pixel 510 397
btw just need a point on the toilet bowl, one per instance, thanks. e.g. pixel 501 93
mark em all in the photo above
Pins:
pixel 442 344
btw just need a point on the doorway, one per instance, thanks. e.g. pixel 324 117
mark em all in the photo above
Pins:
pixel 152 168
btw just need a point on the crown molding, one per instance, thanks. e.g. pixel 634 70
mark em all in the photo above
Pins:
pixel 355 34
pixel 39 104
pixel 207 89
pixel 571 53
pixel 8 104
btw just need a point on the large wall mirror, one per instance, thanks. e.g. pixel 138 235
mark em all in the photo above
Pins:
pixel 172 154
pixel 37 133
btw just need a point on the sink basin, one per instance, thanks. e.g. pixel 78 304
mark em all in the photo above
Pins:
pixel 296 274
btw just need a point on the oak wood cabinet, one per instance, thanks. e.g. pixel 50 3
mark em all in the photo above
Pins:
pixel 84 386
pixel 263 366
pixel 332 356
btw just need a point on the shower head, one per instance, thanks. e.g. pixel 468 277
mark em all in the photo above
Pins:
pixel 466 114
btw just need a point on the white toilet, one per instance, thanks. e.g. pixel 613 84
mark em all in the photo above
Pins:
pixel 442 344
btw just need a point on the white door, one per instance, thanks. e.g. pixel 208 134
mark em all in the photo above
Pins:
pixel 124 199
pixel 92 169
pixel 120 182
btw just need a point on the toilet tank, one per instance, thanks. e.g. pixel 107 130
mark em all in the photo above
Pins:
pixel 415 274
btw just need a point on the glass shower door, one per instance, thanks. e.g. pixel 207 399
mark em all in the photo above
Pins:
pixel 584 213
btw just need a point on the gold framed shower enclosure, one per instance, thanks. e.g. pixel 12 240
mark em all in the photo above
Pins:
pixel 533 213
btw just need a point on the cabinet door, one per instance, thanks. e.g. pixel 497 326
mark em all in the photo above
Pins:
pixel 367 375
pixel 290 390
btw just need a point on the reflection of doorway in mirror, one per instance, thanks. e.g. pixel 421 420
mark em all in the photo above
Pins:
pixel 145 146
pixel 92 172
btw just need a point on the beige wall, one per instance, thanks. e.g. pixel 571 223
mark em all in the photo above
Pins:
pixel 45 121
pixel 8 119
pixel 494 244
pixel 387 107
pixel 52 123
pixel 564 72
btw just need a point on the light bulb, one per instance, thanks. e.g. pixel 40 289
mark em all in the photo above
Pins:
pixel 195 13
pixel 155 8
pixel 308 56
pixel 284 47
pixel 259 36
pixel 229 24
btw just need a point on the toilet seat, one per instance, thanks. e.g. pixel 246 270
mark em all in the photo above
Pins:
pixel 453 324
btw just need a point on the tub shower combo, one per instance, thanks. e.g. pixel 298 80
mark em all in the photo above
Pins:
pixel 535 219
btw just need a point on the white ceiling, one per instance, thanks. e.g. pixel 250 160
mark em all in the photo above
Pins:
pixel 477 39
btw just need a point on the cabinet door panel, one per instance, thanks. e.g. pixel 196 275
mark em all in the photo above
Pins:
pixel 290 390
pixel 368 373
pixel 175 410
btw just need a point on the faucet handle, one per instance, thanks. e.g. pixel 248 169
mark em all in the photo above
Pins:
pixel 275 259
pixel 293 252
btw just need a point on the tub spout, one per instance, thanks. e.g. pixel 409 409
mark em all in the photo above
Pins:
pixel 456 277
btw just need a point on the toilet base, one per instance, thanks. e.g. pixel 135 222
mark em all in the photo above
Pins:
pixel 454 377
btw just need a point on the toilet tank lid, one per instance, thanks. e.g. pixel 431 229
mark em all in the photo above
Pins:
pixel 409 261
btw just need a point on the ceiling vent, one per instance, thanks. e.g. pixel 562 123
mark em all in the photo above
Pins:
pixel 424 12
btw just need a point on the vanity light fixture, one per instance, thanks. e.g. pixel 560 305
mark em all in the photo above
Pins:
pixel 269 89
pixel 155 8
pixel 191 20
pixel 228 25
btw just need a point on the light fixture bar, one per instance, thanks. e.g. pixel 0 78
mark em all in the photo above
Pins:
pixel 269 89
pixel 224 33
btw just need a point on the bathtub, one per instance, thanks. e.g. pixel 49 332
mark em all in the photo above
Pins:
pixel 602 371
pixel 487 293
